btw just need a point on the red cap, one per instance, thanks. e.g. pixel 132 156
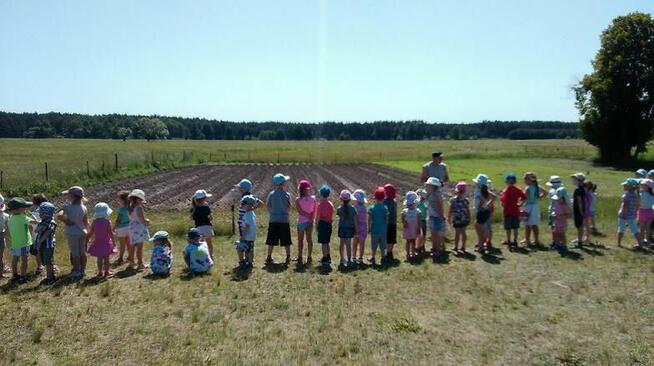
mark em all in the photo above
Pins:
pixel 304 184
pixel 390 191
pixel 380 193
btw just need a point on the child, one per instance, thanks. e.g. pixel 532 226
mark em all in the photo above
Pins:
pixel 512 198
pixel 248 230
pixel 121 226
pixel 138 228
pixel 45 240
pixel 420 245
pixel 436 216
pixel 4 219
pixel 21 238
pixel 279 229
pixel 591 189
pixel 245 189
pixel 533 192
pixel 359 242
pixel 628 210
pixel 411 217
pixel 74 216
pixel 37 200
pixel 640 173
pixel 560 212
pixel 391 231
pixel 306 212
pixel 578 207
pixel 378 222
pixel 324 223
pixel 103 243
pixel 459 216
pixel 196 253
pixel 162 256
pixel 483 202
pixel 554 183
pixel 201 216
pixel 347 225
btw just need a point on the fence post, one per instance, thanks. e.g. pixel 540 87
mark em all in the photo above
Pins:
pixel 225 156
pixel 116 161
pixel 88 169
pixel 210 156
pixel 233 224
pixel 2 179
pixel 103 172
pixel 46 171
pixel 277 158
pixel 152 157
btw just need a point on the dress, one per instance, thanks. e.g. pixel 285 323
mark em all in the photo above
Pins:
pixel 459 206
pixel 362 221
pixel 138 232
pixel 412 219
pixel 102 245
pixel 560 213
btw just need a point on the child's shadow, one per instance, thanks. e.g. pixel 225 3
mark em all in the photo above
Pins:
pixel 241 273
pixel 443 258
pixel 188 275
pixel 325 269
pixel 417 259
pixel 491 258
pixel 519 250
pixel 127 272
pixel 156 276
pixel 539 247
pixel 275 267
pixel 300 267
pixel 466 255
pixel 575 256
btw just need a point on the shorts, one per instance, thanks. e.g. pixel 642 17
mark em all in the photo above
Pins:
pixel 245 246
pixel 391 234
pixel 206 231
pixel 436 224
pixel 324 232
pixel 645 215
pixel 304 226
pixel 511 222
pixel 378 241
pixel 77 246
pixel 460 225
pixel 346 232
pixel 633 226
pixel 483 217
pixel 533 214
pixel 20 252
pixel 279 233
pixel 579 219
pixel 122 232
pixel 46 255
pixel 423 227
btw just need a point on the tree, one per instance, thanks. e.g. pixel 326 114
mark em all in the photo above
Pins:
pixel 616 101
pixel 123 133
pixel 152 129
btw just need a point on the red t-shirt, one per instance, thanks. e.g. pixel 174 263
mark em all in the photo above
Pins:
pixel 326 211
pixel 510 198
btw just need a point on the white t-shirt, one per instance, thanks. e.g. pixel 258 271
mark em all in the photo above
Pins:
pixel 250 219
pixel 4 218
pixel 646 199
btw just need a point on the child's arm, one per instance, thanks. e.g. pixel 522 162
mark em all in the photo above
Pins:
pixel 89 235
pixel 141 214
pixel 117 221
pixel 61 216
pixel 449 215
pixel 187 260
pixel 111 233
pixel 85 221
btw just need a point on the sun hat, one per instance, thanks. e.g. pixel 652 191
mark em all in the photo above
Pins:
pixel 325 191
pixel 345 195
pixel 244 184
pixel 650 174
pixel 159 235
pixel 421 192
pixel 280 178
pixel 304 184
pixel 201 194
pixel 461 186
pixel 391 192
pixel 530 175
pixel 411 198
pixel 437 154
pixel 102 210
pixel 46 209
pixel 193 233
pixel 248 200
pixel 380 193
pixel 15 203
pixel 647 182
pixel 360 196
pixel 579 176
pixel 630 182
pixel 510 176
pixel 433 181
pixel 76 191
pixel 641 172
pixel 138 193
pixel 554 180
pixel 481 179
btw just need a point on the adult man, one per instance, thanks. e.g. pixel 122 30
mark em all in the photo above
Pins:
pixel 435 168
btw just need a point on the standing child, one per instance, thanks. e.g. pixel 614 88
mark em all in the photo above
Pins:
pixel 279 229
pixel 245 189
pixel 591 191
pixel 305 205
pixel 459 216
pixel 138 228
pixel 121 226
pixel 483 199
pixel 161 260
pixel 378 222
pixel 103 239
pixel 347 225
pixel 391 231
pixel 578 207
pixel 511 198
pixel 411 217
pixel 553 183
pixel 640 173
pixel 646 209
pixel 359 242
pixel 4 219
pixel 560 212
pixel 436 216
pixel 201 216
pixel 37 200
pixel 21 238
pixel 628 211
pixel 422 238
pixel 533 192
pixel 324 223
pixel 248 230
pixel 45 240
pixel 196 253
pixel 74 216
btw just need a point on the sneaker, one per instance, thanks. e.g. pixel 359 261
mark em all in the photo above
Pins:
pixel 108 274
pixel 22 279
pixel 372 260
pixel 39 270
pixel 360 260
pixel 343 262
pixel 269 260
pixel 350 264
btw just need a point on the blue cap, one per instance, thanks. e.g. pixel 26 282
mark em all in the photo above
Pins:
pixel 46 209
pixel 325 191
pixel 193 233
pixel 248 200
pixel 280 178
pixel 244 184
pixel 159 235
pixel 631 182
pixel 510 176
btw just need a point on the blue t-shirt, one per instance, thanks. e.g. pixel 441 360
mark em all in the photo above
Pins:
pixel 378 218
pixel 348 222
pixel 250 219
pixel 279 204
pixel 123 216
pixel 198 257
pixel 391 205
pixel 161 260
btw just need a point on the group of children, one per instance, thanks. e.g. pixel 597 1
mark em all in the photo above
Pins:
pixel 423 214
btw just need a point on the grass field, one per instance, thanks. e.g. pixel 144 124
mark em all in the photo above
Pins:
pixel 523 308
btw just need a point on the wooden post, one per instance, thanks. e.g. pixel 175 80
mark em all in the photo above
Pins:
pixel 46 171
pixel 233 222
pixel 2 179
pixel 210 156
pixel 224 156
pixel 116 161
pixel 88 169
pixel 103 173
pixel 152 157
pixel 277 158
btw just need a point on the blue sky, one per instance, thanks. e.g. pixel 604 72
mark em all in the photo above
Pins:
pixel 440 61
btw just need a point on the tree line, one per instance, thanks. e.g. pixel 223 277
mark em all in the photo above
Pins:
pixel 121 126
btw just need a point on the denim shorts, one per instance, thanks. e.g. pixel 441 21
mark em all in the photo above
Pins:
pixel 46 255
pixel 436 224
pixel 20 252
pixel 304 226
pixel 633 226
pixel 245 246
pixel 346 232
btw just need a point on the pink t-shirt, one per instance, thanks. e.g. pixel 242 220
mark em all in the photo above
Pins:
pixel 326 211
pixel 560 215
pixel 308 205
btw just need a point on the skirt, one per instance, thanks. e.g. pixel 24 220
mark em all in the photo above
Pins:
pixel 138 233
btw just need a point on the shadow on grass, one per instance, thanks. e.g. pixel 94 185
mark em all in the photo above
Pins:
pixel 591 251
pixel 519 250
pixel 417 259
pixel 324 269
pixel 575 256
pixel 466 255
pixel 491 258
pixel 127 272
pixel 275 267
pixel 240 273
pixel 188 275
pixel 538 247
pixel 441 258
pixel 155 276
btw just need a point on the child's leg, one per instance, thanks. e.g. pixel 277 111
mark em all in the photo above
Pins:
pixel 287 248
pixel 515 235
pixel 209 244
pixel 348 248
pixel 39 263
pixel 534 228
pixel 130 253
pixel 250 256
pixel 23 265
pixel 270 250
pixel 528 234
pixel 100 266
pixel 341 248
pixel 139 253
pixel 14 265
pixel 508 235
pixel 309 237
pixel 300 244
pixel 373 245
pixel 434 241
pixel 464 238
pixel 105 264
pixel 240 255
pixel 2 262
pixel 362 248
pixel 82 262
pixel 408 249
pixel 122 245
pixel 457 237
pixel 355 244
pixel 325 250
pixel 620 235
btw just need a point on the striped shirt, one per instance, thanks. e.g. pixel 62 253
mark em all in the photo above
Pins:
pixel 45 233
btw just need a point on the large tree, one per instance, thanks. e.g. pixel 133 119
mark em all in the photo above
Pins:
pixel 152 129
pixel 616 101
